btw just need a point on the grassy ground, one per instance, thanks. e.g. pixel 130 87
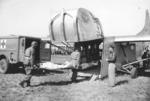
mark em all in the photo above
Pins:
pixel 56 86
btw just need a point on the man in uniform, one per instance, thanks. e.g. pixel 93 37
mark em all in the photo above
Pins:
pixel 30 63
pixel 146 54
pixel 75 56
pixel 74 64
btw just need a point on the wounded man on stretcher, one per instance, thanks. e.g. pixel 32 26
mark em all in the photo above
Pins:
pixel 67 65
pixel 70 65
pixel 75 63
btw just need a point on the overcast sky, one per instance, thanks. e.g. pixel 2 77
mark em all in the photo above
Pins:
pixel 32 17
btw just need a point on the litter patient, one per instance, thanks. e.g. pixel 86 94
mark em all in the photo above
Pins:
pixel 75 64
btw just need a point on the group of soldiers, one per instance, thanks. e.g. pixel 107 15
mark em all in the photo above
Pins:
pixel 75 63
pixel 30 63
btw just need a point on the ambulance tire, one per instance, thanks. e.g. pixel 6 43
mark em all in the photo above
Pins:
pixel 134 73
pixel 3 66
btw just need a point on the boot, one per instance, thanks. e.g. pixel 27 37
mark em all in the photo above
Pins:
pixel 25 83
pixel 74 75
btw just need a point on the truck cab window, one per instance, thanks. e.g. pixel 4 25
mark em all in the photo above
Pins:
pixel 23 42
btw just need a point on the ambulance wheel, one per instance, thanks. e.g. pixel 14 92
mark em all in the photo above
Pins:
pixel 134 73
pixel 3 66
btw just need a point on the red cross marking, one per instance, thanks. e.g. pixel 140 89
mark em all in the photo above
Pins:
pixel 3 44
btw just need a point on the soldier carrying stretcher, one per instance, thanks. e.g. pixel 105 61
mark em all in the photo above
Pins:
pixel 30 63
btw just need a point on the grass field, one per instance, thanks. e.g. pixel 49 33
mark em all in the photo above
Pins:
pixel 56 86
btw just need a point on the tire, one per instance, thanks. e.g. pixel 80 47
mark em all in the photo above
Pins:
pixel 134 73
pixel 3 66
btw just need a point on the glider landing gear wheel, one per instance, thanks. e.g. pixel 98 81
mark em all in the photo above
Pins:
pixel 134 73
pixel 3 66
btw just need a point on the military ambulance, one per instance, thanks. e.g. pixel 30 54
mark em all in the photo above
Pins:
pixel 12 49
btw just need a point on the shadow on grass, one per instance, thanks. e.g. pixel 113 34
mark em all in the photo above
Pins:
pixel 60 83
pixel 122 82
pixel 145 74
pixel 15 68
pixel 43 72
pixel 18 68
